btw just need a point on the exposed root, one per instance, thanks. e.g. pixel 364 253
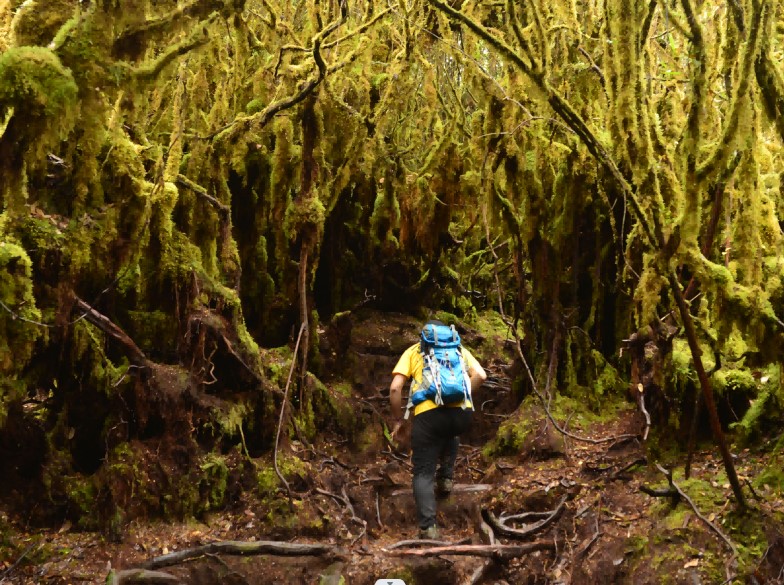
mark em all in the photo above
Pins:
pixel 495 551
pixel 245 548
pixel 501 528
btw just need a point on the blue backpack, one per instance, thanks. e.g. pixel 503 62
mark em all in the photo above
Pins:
pixel 444 376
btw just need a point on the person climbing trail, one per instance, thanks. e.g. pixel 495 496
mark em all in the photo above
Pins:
pixel 443 374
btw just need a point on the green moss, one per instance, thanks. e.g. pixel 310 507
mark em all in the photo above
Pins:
pixel 255 105
pixel 81 492
pixel 152 329
pixel 214 478
pixel 512 435
pixel 305 216
pixel 18 315
pixel 40 90
pixel 291 467
pixel 37 21
pixel 738 381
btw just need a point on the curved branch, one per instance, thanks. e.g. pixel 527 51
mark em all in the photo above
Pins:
pixel 151 70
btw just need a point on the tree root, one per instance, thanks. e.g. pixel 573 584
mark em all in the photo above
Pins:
pixel 499 527
pixel 675 492
pixel 457 488
pixel 243 548
pixel 495 551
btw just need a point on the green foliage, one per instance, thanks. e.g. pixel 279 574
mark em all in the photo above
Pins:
pixel 212 486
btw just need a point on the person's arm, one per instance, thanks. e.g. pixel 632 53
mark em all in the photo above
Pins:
pixel 476 373
pixel 396 395
pixel 396 400
pixel 477 376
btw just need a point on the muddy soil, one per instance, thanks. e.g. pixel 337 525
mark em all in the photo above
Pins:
pixel 359 501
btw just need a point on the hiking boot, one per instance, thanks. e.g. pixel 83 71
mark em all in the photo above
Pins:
pixel 429 533
pixel 444 487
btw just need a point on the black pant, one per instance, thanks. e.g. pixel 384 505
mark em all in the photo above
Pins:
pixel 434 442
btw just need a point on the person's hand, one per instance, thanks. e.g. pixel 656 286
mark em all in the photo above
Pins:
pixel 395 428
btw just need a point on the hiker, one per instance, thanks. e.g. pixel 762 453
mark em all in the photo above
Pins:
pixel 443 375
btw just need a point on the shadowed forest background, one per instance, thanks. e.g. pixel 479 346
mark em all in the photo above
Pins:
pixel 205 204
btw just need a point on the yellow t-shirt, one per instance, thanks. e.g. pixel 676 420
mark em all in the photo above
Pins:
pixel 411 366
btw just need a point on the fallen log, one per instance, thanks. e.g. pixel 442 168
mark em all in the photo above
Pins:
pixel 244 548
pixel 495 551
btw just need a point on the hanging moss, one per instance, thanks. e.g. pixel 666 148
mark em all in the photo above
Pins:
pixel 19 316
pixel 37 21
pixel 38 91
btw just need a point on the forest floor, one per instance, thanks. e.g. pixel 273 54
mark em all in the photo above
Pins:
pixel 591 522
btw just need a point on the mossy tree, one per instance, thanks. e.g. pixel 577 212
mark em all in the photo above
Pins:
pixel 681 124
pixel 183 182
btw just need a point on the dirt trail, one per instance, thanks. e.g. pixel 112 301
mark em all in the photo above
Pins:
pixel 598 526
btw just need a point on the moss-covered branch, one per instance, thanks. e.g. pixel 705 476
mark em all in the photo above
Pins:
pixel 198 38
pixel 723 149
pixel 771 83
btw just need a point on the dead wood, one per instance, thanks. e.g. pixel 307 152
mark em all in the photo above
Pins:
pixel 143 577
pixel 495 551
pixel 499 527
pixel 245 548
pixel 105 324
pixel 282 416
pixel 462 488
pixel 424 542
pixel 216 328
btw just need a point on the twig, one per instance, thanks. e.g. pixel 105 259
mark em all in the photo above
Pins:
pixel 547 410
pixel 688 500
pixel 282 413
pixel 26 552
pixel 224 210
pixel 103 323
pixel 641 404
pixel 344 499
pixel 627 467
pixel 596 535
pixel 378 511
